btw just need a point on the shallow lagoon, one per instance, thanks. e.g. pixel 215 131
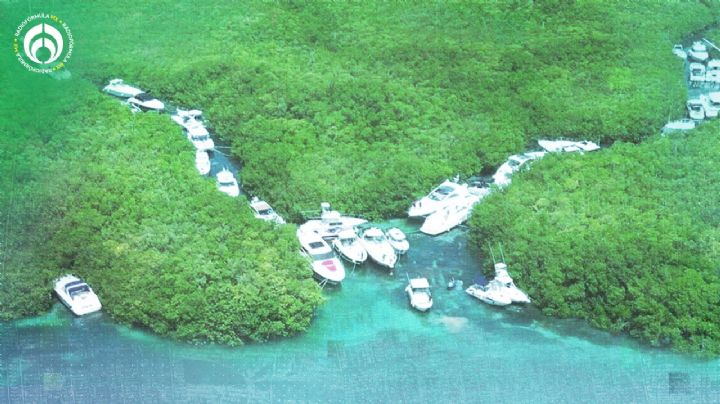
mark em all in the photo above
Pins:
pixel 366 344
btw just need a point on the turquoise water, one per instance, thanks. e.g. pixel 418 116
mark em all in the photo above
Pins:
pixel 366 344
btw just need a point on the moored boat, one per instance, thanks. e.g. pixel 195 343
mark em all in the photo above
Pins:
pixel 348 245
pixel 439 197
pixel 331 222
pixel 418 291
pixel 378 247
pixel 146 102
pixel 227 183
pixel 505 282
pixel 449 216
pixel 503 176
pixel 264 211
pixel 77 295
pixel 567 146
pixel 326 267
pixel 398 240
pixel 202 162
pixel 118 88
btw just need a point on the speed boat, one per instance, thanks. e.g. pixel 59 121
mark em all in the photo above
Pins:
pixel 558 146
pixel 711 104
pixel 119 89
pixel 331 222
pixel 349 247
pixel 77 295
pixel 697 73
pixel 202 162
pixel 199 136
pixel 698 52
pixel 264 211
pixel 326 267
pixel 227 183
pixel 696 109
pixel 679 51
pixel 679 125
pixel 398 240
pixel 418 291
pixel 502 176
pixel 490 293
pixel 187 118
pixel 439 197
pixel 505 282
pixel 712 73
pixel 146 102
pixel 378 247
pixel 449 216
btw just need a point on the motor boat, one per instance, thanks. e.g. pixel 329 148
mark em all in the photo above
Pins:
pixel 349 247
pixel 441 196
pixel 264 211
pixel 200 137
pixel 449 216
pixel 697 73
pixel 331 222
pixel 77 295
pixel 326 267
pixel 146 102
pixel 712 72
pixel 418 291
pixel 202 162
pixel 187 118
pixel 503 279
pixel 397 240
pixel 711 104
pixel 502 176
pixel 679 51
pixel 378 247
pixel 227 183
pixel 568 146
pixel 451 283
pixel 696 109
pixel 679 125
pixel 490 293
pixel 119 89
pixel 698 52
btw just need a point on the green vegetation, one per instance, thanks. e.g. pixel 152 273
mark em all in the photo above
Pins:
pixel 626 238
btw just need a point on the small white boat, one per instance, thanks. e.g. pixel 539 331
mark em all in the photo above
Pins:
pixel 200 137
pixel 119 89
pixel 378 247
pixel 568 146
pixel 711 104
pixel 77 295
pixel 439 197
pixel 503 176
pixel 418 291
pixel 679 51
pixel 450 216
pixel 490 293
pixel 146 102
pixel 331 222
pixel 697 73
pixel 264 211
pixel 679 125
pixel 398 240
pixel 187 118
pixel 202 162
pixel 348 245
pixel 698 52
pixel 227 183
pixel 503 279
pixel 696 109
pixel 712 72
pixel 326 267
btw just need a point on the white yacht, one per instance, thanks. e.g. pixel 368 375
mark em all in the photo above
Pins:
pixel 418 291
pixel 679 125
pixel 711 104
pixel 398 240
pixel 326 267
pixel 349 247
pixel 187 118
pixel 502 176
pixel 202 162
pixel 76 295
pixel 199 136
pixel 450 216
pixel 264 211
pixel 441 196
pixel 331 222
pixel 696 109
pixel 712 73
pixel 146 102
pixel 503 279
pixel 698 52
pixel 119 89
pixel 567 146
pixel 227 183
pixel 378 247
pixel 697 73
pixel 679 51
pixel 490 293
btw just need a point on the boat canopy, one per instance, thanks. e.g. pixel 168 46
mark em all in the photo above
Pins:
pixel 373 232
pixel 481 280
pixel 261 206
pixel 419 283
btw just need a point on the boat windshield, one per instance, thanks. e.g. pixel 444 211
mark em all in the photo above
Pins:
pixel 265 212
pixel 200 137
pixel 76 290
pixel 323 256
pixel 227 183
pixel 441 193
pixel 513 163
pixel 347 241
pixel 144 97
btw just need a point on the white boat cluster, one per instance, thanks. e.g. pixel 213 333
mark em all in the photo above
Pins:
pixel 500 291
